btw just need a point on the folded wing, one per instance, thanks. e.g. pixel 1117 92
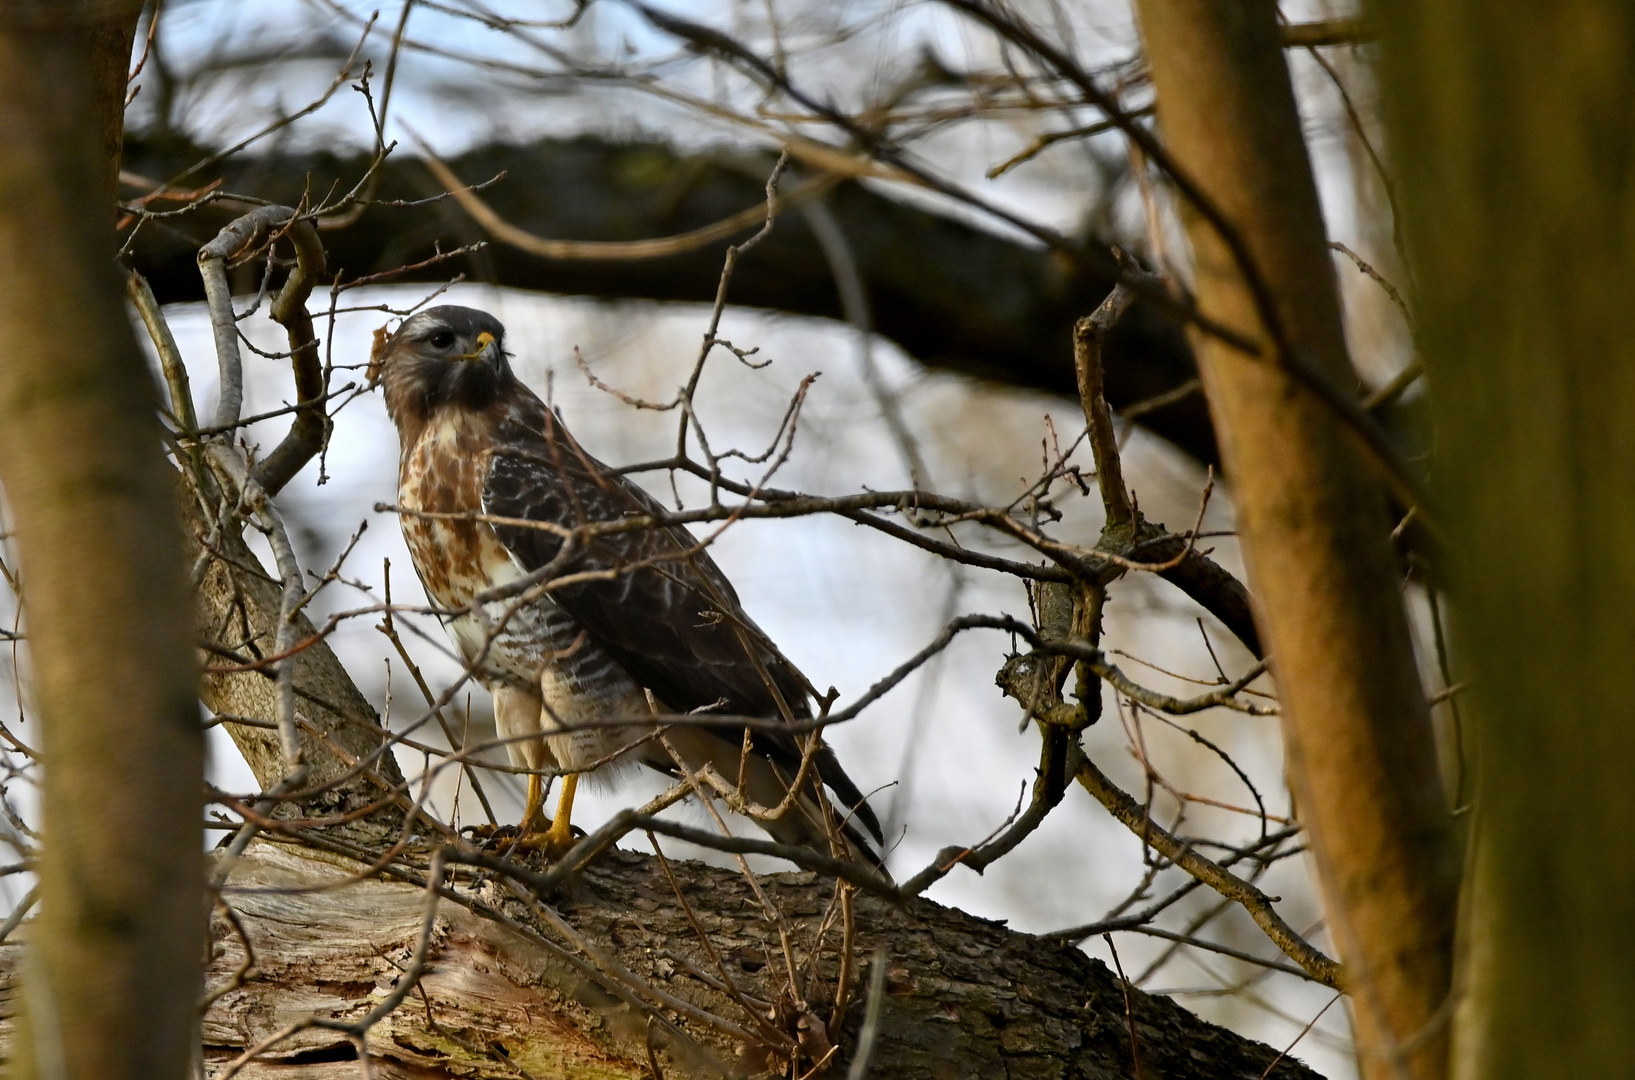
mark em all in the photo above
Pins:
pixel 664 611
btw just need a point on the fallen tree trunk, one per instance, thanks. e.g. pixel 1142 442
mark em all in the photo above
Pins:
pixel 963 996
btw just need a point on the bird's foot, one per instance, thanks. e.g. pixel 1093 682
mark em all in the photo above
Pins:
pixel 553 842
pixel 549 841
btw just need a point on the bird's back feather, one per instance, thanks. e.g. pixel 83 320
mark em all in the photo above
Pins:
pixel 665 611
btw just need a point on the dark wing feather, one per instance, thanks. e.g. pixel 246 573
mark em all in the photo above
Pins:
pixel 674 621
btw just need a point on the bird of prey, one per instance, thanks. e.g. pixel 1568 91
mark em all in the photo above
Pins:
pixel 491 488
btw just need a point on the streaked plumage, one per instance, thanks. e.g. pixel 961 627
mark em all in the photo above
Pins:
pixel 664 629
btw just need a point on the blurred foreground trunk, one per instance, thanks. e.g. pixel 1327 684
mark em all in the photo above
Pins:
pixel 1312 518
pixel 1514 124
pixel 114 971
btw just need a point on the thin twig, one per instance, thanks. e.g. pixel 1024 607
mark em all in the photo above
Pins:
pixel 1285 1051
pixel 1129 1006
pixel 1088 335
pixel 1259 906
pixel 18 913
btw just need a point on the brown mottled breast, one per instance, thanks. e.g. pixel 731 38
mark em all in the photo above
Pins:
pixel 442 472
pixel 537 645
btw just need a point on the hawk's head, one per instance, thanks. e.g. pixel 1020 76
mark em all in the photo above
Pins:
pixel 442 356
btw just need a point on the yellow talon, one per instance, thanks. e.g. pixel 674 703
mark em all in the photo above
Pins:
pixel 558 838
pixel 536 803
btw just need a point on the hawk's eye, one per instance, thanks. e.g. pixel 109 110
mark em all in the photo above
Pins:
pixel 442 339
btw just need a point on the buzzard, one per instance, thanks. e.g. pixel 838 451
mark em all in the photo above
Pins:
pixel 491 487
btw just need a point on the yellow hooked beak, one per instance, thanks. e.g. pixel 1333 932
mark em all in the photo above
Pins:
pixel 485 343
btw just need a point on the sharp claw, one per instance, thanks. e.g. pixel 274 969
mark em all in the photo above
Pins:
pixel 544 837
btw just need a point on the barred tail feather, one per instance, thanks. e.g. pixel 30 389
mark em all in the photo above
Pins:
pixel 803 824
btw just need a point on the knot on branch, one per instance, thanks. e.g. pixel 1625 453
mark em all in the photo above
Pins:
pixel 1034 680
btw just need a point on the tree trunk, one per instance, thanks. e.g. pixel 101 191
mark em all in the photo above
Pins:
pixel 236 607
pixel 963 997
pixel 1513 124
pixel 114 975
pixel 1314 529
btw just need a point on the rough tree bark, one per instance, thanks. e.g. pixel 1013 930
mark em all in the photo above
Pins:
pixel 114 974
pixel 1513 126
pixel 964 997
pixel 1313 524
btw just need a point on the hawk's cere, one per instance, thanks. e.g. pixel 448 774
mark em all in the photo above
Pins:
pixel 583 665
